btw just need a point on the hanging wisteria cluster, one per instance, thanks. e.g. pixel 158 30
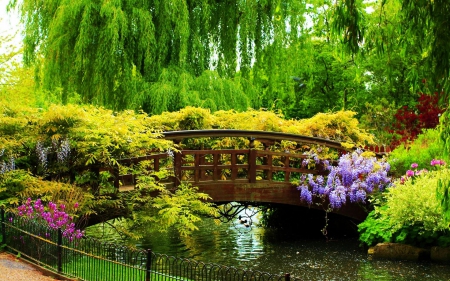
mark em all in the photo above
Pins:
pixel 55 217
pixel 352 179
pixel 61 148
pixel 6 166
pixel 41 152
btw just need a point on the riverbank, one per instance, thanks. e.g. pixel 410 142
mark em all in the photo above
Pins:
pixel 16 269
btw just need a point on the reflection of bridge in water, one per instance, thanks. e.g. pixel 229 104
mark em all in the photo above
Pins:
pixel 256 174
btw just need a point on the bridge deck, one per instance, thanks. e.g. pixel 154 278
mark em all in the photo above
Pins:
pixel 241 175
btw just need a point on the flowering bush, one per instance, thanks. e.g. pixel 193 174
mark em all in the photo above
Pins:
pixel 411 174
pixel 410 213
pixel 356 175
pixel 427 146
pixel 55 217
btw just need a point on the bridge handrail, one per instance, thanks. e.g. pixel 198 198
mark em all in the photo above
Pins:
pixel 265 135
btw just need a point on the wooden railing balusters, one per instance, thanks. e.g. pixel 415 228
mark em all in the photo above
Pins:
pixel 287 173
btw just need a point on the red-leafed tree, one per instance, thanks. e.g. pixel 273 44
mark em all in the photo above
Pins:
pixel 409 122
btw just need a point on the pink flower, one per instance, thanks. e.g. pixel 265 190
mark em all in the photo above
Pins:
pixel 409 173
pixel 414 165
pixel 435 162
pixel 402 180
pixel 55 218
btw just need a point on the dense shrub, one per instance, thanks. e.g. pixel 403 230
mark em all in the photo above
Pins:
pixel 410 213
pixel 426 147
pixel 339 126
pixel 410 122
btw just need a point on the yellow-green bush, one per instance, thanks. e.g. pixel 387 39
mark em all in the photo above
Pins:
pixel 340 126
pixel 422 150
pixel 409 213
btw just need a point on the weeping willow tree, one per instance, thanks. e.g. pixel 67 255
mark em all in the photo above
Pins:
pixel 118 53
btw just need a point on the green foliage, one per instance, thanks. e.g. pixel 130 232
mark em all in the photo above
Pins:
pixel 375 229
pixel 377 118
pixel 115 52
pixel 181 209
pixel 421 151
pixel 349 21
pixel 18 185
pixel 91 138
pixel 338 126
pixel 176 89
pixel 410 213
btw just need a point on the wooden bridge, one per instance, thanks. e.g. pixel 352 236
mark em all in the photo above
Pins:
pixel 259 173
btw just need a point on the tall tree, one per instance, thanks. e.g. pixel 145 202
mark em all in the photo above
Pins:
pixel 110 51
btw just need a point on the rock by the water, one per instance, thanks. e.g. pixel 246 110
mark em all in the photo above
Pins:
pixel 396 251
pixel 439 254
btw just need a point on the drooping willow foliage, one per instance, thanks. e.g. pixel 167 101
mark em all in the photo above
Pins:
pixel 116 52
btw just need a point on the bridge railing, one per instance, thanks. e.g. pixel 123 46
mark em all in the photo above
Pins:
pixel 248 165
pixel 241 165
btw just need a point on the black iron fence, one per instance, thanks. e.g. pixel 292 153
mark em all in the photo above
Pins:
pixel 93 260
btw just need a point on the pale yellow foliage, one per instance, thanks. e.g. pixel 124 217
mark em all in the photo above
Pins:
pixel 341 126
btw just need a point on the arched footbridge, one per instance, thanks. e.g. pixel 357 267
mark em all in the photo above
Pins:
pixel 263 172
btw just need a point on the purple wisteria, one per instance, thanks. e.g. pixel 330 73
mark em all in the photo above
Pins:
pixel 353 178
pixel 55 217
pixel 62 150
pixel 42 152
pixel 6 166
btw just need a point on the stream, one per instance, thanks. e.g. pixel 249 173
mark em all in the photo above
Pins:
pixel 257 248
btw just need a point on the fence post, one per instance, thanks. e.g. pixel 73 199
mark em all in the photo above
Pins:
pixel 59 253
pixel 287 277
pixel 148 265
pixel 3 224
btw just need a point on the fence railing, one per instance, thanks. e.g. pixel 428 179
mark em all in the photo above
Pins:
pixel 93 260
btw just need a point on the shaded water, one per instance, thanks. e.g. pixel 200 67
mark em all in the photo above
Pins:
pixel 256 248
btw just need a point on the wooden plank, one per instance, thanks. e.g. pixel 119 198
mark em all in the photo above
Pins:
pixel 178 158
pixel 196 171
pixel 275 153
pixel 287 173
pixel 256 135
pixel 270 165
pixel 234 168
pixel 252 166
pixel 216 171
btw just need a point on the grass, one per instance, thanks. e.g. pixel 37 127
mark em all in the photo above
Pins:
pixel 94 269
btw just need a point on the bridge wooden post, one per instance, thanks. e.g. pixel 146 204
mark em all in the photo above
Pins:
pixel 252 161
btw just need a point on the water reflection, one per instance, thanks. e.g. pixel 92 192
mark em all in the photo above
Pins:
pixel 257 248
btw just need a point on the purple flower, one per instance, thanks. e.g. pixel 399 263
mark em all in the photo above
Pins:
pixel 414 165
pixel 409 173
pixel 305 162
pixel 360 195
pixel 354 177
pixel 62 153
pixel 305 194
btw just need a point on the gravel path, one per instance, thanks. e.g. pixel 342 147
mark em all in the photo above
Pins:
pixel 13 269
